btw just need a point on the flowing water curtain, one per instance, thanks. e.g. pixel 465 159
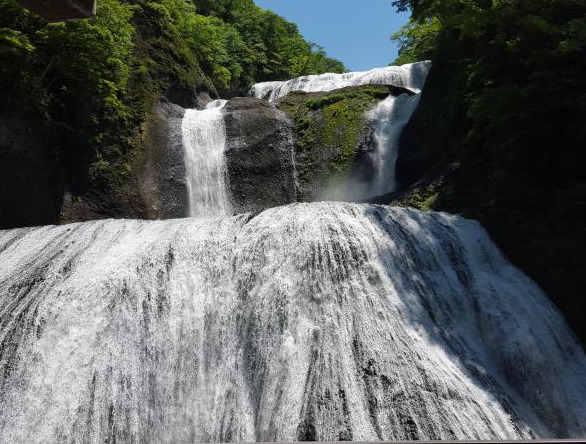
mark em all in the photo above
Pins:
pixel 410 76
pixel 389 118
pixel 311 321
pixel 204 141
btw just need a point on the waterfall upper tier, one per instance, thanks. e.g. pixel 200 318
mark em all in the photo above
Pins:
pixel 309 321
pixel 389 118
pixel 411 76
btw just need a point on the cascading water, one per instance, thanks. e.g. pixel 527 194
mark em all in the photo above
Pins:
pixel 204 141
pixel 389 119
pixel 410 76
pixel 325 321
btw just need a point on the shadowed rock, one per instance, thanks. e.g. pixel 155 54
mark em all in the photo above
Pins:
pixel 259 153
pixel 30 183
pixel 163 186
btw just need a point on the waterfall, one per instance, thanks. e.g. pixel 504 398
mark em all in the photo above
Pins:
pixel 389 118
pixel 411 76
pixel 326 321
pixel 204 141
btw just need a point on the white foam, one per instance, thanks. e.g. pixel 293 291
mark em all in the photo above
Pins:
pixel 411 76
pixel 322 321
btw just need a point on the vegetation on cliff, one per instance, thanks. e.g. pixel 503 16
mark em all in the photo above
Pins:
pixel 93 83
pixel 507 147
pixel 329 128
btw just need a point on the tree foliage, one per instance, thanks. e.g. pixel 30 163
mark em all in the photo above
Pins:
pixel 239 43
pixel 94 82
pixel 513 76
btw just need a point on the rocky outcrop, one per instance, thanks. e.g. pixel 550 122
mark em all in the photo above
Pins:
pixel 30 183
pixel 162 185
pixel 333 140
pixel 259 153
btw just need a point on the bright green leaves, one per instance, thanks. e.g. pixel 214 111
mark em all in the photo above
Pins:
pixel 238 43
pixel 417 40
pixel 14 41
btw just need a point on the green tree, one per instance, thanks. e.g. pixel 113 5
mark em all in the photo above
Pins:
pixel 510 79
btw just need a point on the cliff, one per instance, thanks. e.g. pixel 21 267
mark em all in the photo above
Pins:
pixel 90 89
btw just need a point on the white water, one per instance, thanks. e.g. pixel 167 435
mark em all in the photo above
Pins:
pixel 326 321
pixel 204 141
pixel 389 118
pixel 410 76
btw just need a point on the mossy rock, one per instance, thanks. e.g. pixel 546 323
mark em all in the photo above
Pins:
pixel 329 129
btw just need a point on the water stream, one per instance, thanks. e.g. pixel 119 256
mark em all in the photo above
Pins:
pixel 204 141
pixel 389 118
pixel 410 77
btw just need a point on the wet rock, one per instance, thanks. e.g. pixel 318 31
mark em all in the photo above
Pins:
pixel 162 185
pixel 259 153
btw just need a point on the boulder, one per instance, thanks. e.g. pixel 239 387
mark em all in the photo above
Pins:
pixel 259 155
pixel 162 185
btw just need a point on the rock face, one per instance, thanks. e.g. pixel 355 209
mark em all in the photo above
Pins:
pixel 259 153
pixel 334 140
pixel 163 187
pixel 305 147
pixel 30 185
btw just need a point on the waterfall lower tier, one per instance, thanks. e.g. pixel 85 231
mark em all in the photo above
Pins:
pixel 204 141
pixel 410 76
pixel 310 321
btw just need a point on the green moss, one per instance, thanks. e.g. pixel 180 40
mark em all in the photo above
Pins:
pixel 424 198
pixel 365 93
pixel 343 122
pixel 328 128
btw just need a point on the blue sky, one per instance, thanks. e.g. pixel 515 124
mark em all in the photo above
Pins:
pixel 355 32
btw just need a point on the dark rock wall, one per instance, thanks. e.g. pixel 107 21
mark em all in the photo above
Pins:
pixel 162 185
pixel 259 153
pixel 30 183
